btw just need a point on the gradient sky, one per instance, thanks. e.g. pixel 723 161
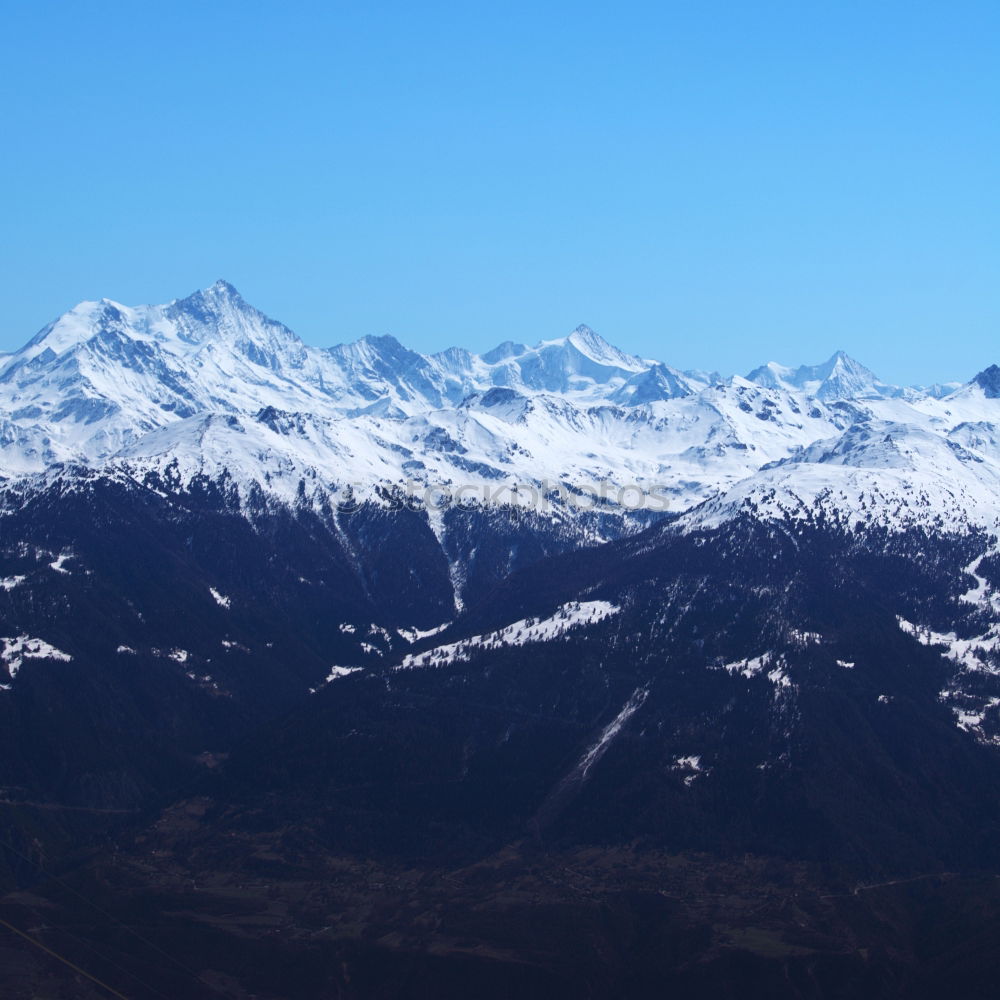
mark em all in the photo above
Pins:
pixel 712 184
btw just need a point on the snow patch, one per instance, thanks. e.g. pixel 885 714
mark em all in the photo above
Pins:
pixel 58 564
pixel 972 721
pixel 412 635
pixel 771 665
pixel 519 633
pixel 750 667
pixel 692 765
pixel 14 651
pixel 779 678
pixel 800 638
pixel 220 599
pixel 969 654
pixel 336 672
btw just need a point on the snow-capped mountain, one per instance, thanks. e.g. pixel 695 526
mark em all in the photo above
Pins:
pixel 839 378
pixel 227 583
pixel 208 385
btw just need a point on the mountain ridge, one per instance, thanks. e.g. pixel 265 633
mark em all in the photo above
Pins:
pixel 110 384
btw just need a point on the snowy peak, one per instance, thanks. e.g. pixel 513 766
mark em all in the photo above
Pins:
pixel 844 378
pixel 223 289
pixel 73 328
pixel 839 378
pixel 377 353
pixel 220 313
pixel 593 346
pixel 219 296
pixel 217 313
pixel 390 377
pixel 660 382
pixel 211 310
pixel 989 381
pixel 583 364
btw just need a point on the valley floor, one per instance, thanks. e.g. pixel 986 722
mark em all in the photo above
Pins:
pixel 190 909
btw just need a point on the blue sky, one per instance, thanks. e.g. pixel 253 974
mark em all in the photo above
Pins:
pixel 713 184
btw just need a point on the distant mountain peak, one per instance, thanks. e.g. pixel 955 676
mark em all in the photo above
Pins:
pixel 382 340
pixel 989 381
pixel 591 344
pixel 220 289
pixel 223 287
pixel 585 336
pixel 656 383
pixel 842 360
pixel 219 295
pixel 839 377
pixel 379 349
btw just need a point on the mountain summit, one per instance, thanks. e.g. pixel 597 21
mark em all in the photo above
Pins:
pixel 989 381
pixel 838 378
pixel 598 350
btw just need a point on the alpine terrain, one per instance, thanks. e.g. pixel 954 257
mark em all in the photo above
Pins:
pixel 548 672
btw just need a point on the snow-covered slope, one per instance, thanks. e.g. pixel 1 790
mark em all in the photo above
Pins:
pixel 878 472
pixel 678 452
pixel 210 386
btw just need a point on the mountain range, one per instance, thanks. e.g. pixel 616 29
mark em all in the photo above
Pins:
pixel 551 671
pixel 208 384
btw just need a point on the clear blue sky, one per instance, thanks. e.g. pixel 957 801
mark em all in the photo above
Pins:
pixel 712 183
